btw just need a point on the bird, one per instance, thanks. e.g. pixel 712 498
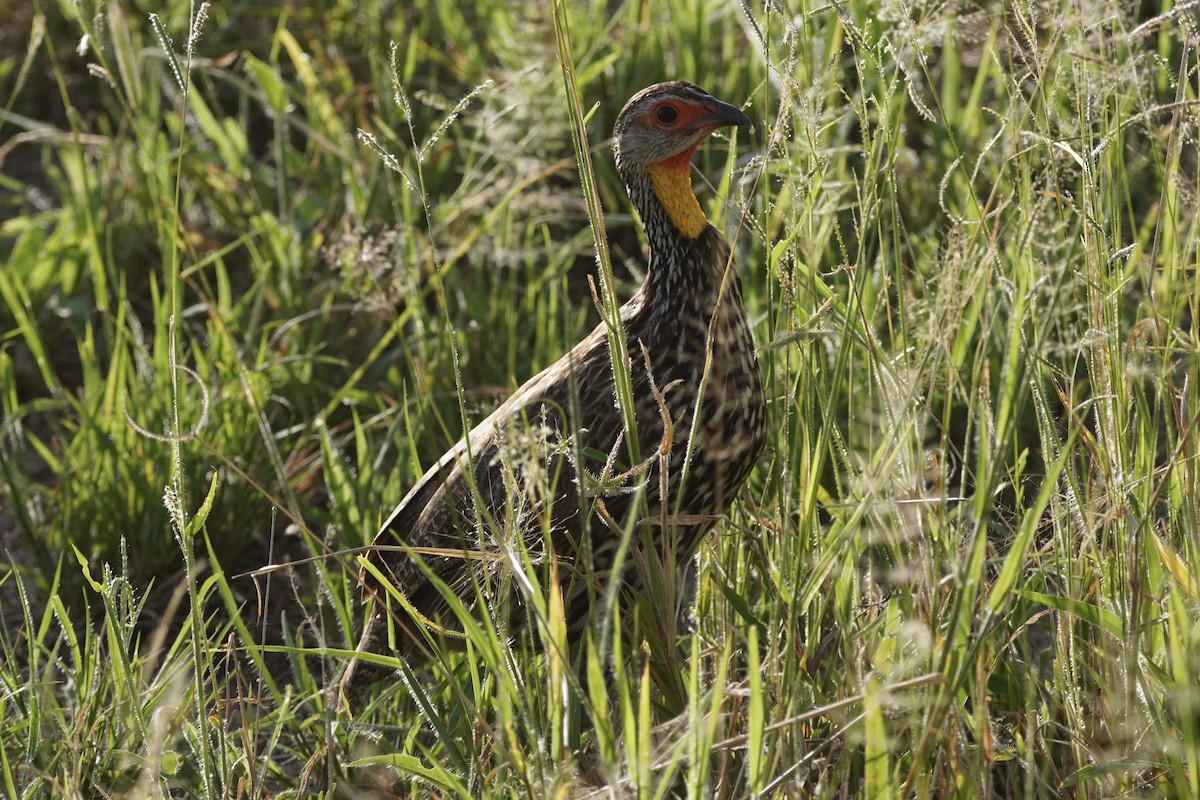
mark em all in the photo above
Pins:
pixel 699 410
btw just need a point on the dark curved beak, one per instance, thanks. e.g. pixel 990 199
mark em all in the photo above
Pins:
pixel 723 114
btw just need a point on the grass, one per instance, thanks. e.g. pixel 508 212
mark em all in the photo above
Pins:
pixel 262 264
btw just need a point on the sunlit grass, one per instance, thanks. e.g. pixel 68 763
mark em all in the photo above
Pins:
pixel 252 288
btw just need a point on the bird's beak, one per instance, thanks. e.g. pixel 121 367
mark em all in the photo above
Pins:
pixel 723 115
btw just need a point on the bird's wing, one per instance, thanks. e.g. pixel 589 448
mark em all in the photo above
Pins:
pixel 424 518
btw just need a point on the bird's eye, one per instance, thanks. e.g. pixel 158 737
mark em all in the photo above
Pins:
pixel 666 114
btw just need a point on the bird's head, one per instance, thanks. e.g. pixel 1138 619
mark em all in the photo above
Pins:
pixel 654 139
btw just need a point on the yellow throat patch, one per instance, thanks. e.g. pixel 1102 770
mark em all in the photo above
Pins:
pixel 672 184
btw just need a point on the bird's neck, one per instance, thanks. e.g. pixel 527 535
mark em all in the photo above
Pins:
pixel 671 185
pixel 687 255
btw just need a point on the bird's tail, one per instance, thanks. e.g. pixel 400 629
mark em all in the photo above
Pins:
pixel 356 680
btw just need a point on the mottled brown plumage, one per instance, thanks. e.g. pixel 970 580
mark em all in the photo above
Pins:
pixel 685 319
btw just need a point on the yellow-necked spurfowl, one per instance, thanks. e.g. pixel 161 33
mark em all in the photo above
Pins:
pixel 687 322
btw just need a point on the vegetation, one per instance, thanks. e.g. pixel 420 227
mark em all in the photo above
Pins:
pixel 262 262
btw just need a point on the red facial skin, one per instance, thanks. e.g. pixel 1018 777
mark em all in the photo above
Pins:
pixel 689 119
